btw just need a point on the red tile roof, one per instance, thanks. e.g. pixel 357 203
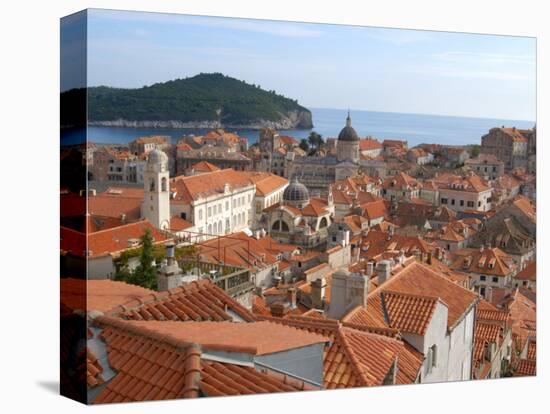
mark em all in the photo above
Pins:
pixel 98 295
pixel 179 224
pixel 526 207
pixel 401 181
pixel 409 313
pixel 526 367
pixel 204 166
pixel 369 144
pixel 237 249
pixel 149 366
pixel 378 242
pixel 529 272
pixel 109 241
pixel 93 370
pixel 420 280
pixel 190 188
pixel 153 366
pixel 256 338
pixel 197 301
pixel 223 379
pixel 492 261
pixel 356 357
pixel 514 133
pixel 112 205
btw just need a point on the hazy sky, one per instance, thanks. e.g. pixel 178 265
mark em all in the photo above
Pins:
pixel 328 66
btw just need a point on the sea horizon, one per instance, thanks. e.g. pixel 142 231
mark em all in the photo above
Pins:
pixel 414 128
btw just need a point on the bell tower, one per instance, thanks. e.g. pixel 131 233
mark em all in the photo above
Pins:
pixel 156 203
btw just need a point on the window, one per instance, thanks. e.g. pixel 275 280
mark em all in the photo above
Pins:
pixel 183 216
pixel 495 279
pixel 200 215
pixel 209 212
pixel 482 278
pixel 226 205
pixel 479 203
pixel 443 201
pixel 482 291
pixel 163 184
pixel 432 357
pixel 461 203
pixel 453 202
pixel 470 204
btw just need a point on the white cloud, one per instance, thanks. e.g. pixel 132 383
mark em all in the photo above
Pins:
pixel 270 27
pixel 485 58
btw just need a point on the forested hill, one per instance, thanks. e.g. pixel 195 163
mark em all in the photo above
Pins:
pixel 204 100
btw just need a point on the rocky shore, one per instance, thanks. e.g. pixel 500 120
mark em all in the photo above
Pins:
pixel 291 120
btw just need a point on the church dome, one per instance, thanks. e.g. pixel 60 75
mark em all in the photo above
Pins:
pixel 157 157
pixel 296 193
pixel 348 133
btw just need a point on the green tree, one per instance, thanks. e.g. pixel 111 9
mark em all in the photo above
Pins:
pixel 304 145
pixel 315 140
pixel 474 150
pixel 145 274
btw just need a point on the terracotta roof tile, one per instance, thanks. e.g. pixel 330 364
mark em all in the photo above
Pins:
pixel 99 295
pixel 223 379
pixel 409 313
pixel 529 272
pixel 356 358
pixel 204 166
pixel 487 261
pixel 197 301
pixel 526 367
pixel 415 279
pixel 257 338
pixel 149 367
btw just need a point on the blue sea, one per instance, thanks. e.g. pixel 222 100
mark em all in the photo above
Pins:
pixel 414 128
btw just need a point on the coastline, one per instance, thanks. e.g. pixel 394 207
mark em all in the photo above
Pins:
pixel 174 124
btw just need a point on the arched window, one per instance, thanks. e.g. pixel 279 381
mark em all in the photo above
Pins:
pixel 220 227
pixel 280 225
pixel 163 184
pixel 210 229
pixel 323 223
pixel 152 184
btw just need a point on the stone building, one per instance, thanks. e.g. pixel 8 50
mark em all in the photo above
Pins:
pixel 220 156
pixel 144 145
pixel 511 145
pixel 317 173
pixel 487 166
pixel 300 219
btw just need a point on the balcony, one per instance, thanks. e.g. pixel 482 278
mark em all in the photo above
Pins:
pixel 234 281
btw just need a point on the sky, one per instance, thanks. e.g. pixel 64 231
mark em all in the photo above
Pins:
pixel 320 65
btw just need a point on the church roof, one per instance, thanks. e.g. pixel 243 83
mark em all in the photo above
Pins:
pixel 348 133
pixel 296 191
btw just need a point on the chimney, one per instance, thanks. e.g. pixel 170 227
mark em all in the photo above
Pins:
pixel 489 294
pixel 170 253
pixel 370 269
pixel 170 275
pixel 383 271
pixel 291 295
pixel 429 259
pixel 278 309
pixel 318 292
pixel 123 218
pixel 348 291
